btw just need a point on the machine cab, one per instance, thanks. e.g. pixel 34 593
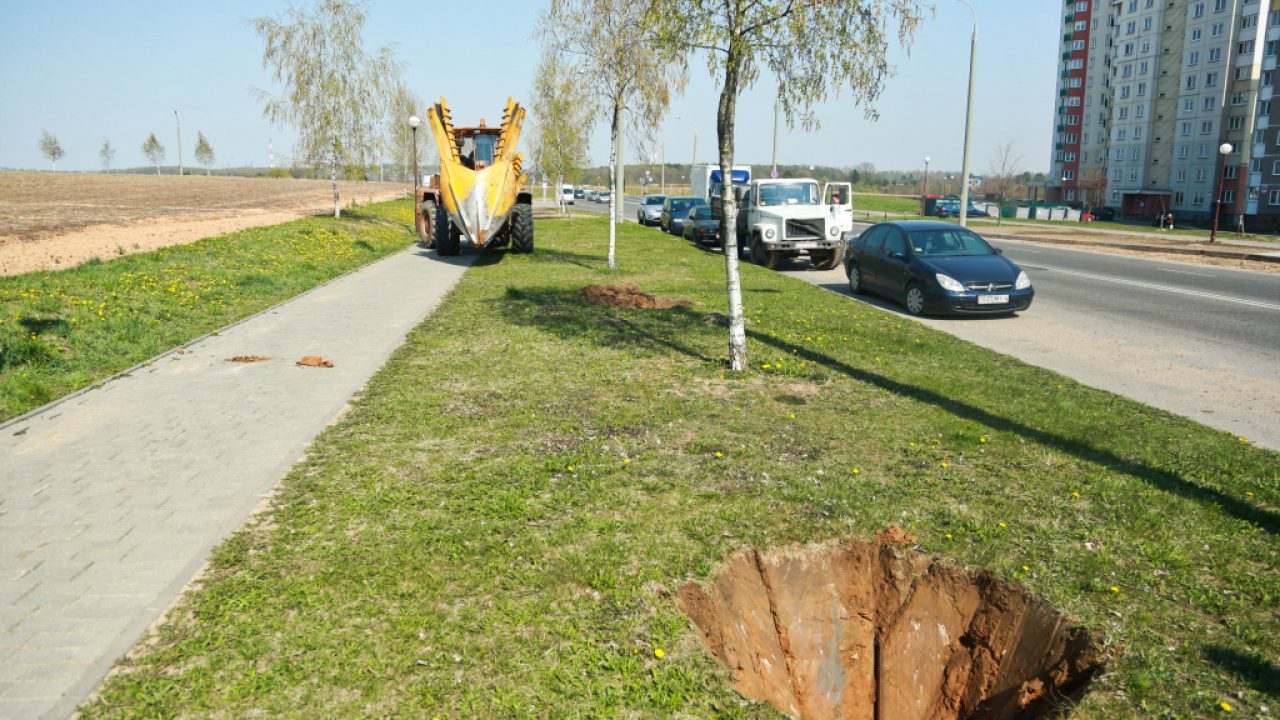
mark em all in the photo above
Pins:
pixel 838 197
pixel 477 146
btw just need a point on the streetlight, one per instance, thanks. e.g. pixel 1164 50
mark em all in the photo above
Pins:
pixel 1224 149
pixel 414 122
pixel 926 176
pixel 968 120
pixel 178 121
pixel 774 172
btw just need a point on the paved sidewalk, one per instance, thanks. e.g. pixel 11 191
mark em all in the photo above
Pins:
pixel 111 501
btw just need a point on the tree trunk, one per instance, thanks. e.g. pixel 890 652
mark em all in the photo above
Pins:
pixel 333 178
pixel 620 164
pixel 615 130
pixel 729 213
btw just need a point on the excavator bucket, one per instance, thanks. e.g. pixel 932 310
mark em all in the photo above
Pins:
pixel 480 172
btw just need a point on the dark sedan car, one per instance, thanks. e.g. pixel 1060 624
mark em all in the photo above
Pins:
pixel 701 226
pixel 936 268
pixel 674 210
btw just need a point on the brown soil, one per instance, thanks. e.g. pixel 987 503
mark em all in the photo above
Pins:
pixel 50 221
pixel 247 359
pixel 876 631
pixel 629 296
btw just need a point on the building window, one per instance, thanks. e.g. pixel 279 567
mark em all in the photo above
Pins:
pixel 1146 47
pixel 1189 105
pixel 1230 172
pixel 1133 176
pixel 1200 175
pixel 1217 29
pixel 1122 134
pixel 1068 174
pixel 1124 91
pixel 1075 82
pixel 1197 199
pixel 1073 119
pixel 1210 79
pixel 1206 127
pixel 1146 23
pixel 1080 26
pixel 1270 48
pixel 1124 113
pixel 1077 45
pixel 1186 129
pixel 1128 69
pixel 1184 151
pixel 1195 35
pixel 1191 82
pixel 1237 98
pixel 1219 5
pixel 1202 150
pixel 1266 78
pixel 1082 6
pixel 1142 67
pixel 1140 111
pixel 1071 195
pixel 1137 134
pixel 1179 198
pixel 1133 153
pixel 1210 103
pixel 1258 138
pixel 1244 48
pixel 1274 18
pixel 1273 197
pixel 1073 101
pixel 1115 195
pixel 1215 55
pixel 1264 107
pixel 1075 64
pixel 1275 168
pixel 1255 165
pixel 1131 28
pixel 1197 10
pixel 1193 57
pixel 1072 138
pixel 1234 123
pixel 1248 21
pixel 1228 196
pixel 1182 174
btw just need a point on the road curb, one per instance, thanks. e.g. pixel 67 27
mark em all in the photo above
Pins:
pixel 1140 248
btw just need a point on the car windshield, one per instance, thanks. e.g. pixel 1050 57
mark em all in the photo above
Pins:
pixel 654 200
pixel 682 204
pixel 789 194
pixel 948 242
pixel 702 212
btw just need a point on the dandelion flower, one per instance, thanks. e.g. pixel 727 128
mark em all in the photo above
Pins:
pixel 944 466
pixel 1115 588
pixel 1003 525
pixel 626 461
pixel 1075 495
pixel 570 468
pixel 1026 569
pixel 982 440
pixel 719 454
pixel 948 536
pixel 658 653
pixel 1226 706
pixel 856 471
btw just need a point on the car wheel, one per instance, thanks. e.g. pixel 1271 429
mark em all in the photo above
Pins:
pixel 824 259
pixel 915 300
pixel 855 280
pixel 762 256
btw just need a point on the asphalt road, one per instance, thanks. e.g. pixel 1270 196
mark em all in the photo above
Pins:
pixel 1195 340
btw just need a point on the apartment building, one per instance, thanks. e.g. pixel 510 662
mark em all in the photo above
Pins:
pixel 1156 87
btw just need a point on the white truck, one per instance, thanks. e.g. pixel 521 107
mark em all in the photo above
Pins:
pixel 785 217
pixel 705 180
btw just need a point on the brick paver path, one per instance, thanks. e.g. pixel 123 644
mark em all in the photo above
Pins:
pixel 111 500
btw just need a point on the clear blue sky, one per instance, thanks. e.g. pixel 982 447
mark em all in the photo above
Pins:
pixel 89 70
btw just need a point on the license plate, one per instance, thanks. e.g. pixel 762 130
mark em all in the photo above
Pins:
pixel 806 245
pixel 993 299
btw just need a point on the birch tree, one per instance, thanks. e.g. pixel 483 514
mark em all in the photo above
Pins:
pixel 51 148
pixel 107 154
pixel 813 49
pixel 334 92
pixel 153 151
pixel 563 116
pixel 611 53
pixel 399 137
pixel 204 153
pixel 1004 173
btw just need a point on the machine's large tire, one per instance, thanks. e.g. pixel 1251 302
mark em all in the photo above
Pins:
pixel 427 224
pixel 824 259
pixel 448 241
pixel 522 228
pixel 763 256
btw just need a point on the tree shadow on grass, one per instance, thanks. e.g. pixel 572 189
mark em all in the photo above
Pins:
pixel 1249 667
pixel 567 315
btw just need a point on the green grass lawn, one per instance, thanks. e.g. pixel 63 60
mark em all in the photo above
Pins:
pixel 1224 234
pixel 869 206
pixel 61 331
pixel 496 527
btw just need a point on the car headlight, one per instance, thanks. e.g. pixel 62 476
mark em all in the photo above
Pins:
pixel 1023 282
pixel 768 233
pixel 949 283
pixel 833 230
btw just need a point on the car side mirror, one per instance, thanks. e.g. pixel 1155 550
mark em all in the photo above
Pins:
pixel 998 251
pixel 898 255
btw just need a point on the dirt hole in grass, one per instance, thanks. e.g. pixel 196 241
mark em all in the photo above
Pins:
pixel 873 630
pixel 629 296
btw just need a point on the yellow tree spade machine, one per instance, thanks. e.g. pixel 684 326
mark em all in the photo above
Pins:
pixel 477 199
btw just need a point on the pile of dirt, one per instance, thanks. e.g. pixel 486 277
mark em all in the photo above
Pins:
pixel 872 630
pixel 630 296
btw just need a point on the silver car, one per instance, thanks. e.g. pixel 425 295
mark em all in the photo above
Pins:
pixel 650 212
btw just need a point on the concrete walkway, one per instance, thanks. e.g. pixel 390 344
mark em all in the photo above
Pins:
pixel 111 500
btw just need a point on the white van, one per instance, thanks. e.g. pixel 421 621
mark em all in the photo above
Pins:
pixel 566 194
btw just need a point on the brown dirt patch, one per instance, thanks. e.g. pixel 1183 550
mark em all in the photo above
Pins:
pixel 247 359
pixel 630 296
pixel 50 221
pixel 870 630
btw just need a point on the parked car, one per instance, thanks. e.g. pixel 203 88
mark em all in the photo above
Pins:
pixel 935 268
pixel 650 210
pixel 602 196
pixel 566 195
pixel 701 226
pixel 580 193
pixel 1104 213
pixel 952 210
pixel 674 210
pixel 593 195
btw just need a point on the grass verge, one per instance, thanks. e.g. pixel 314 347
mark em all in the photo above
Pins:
pixel 1188 233
pixel 495 527
pixel 64 330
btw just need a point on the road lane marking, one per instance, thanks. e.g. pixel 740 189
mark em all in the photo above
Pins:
pixel 1185 272
pixel 1167 288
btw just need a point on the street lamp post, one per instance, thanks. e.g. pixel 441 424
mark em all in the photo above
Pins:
pixel 926 176
pixel 178 122
pixel 774 172
pixel 414 122
pixel 1224 149
pixel 968 120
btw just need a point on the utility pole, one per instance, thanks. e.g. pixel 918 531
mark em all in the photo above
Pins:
pixel 664 168
pixel 178 120
pixel 775 140
pixel 968 121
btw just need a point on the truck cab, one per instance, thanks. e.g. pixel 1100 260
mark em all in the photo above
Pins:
pixel 784 218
